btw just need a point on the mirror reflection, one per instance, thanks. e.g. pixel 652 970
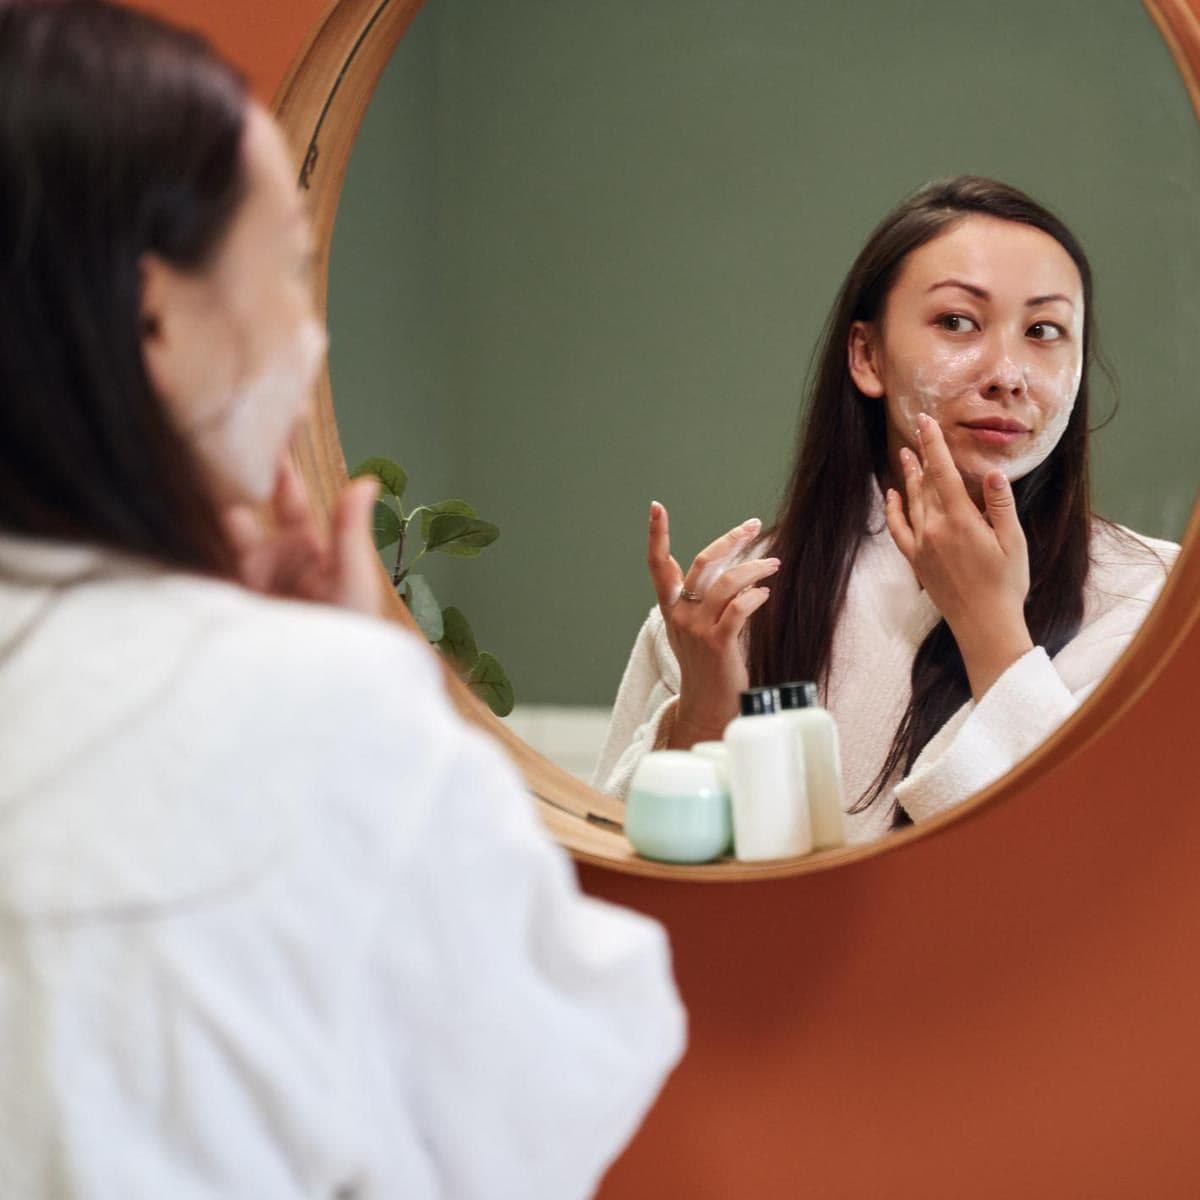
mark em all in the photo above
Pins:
pixel 586 260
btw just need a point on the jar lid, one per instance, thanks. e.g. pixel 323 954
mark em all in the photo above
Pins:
pixel 676 773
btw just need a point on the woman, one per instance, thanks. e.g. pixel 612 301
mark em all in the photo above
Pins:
pixel 936 565
pixel 273 921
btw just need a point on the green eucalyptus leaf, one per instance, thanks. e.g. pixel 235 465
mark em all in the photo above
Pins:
pixel 489 682
pixel 386 527
pixel 391 475
pixel 458 642
pixel 456 507
pixel 459 535
pixel 423 605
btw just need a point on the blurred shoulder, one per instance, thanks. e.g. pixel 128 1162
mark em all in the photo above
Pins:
pixel 293 653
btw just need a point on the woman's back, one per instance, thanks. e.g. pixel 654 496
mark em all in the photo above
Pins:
pixel 273 921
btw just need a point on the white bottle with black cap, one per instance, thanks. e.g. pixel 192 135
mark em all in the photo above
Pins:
pixel 816 732
pixel 766 781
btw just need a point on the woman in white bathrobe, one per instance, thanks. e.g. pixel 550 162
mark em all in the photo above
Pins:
pixel 273 921
pixel 936 566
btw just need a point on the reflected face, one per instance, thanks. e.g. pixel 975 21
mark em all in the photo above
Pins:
pixel 983 330
pixel 238 345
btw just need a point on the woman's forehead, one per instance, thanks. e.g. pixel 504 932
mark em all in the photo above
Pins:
pixel 1004 258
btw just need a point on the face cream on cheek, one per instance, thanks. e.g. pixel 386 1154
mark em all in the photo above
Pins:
pixel 956 389
pixel 932 387
pixel 1053 396
pixel 242 445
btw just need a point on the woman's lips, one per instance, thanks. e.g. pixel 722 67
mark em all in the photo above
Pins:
pixel 995 431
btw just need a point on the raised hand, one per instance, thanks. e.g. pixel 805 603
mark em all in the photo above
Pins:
pixel 292 557
pixel 974 565
pixel 705 613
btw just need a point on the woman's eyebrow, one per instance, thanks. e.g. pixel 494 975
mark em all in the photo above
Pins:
pixel 983 294
pixel 1036 300
pixel 973 288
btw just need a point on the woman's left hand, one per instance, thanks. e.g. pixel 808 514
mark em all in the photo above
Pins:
pixel 975 567
pixel 290 556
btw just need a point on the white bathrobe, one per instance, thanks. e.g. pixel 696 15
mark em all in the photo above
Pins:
pixel 275 923
pixel 885 618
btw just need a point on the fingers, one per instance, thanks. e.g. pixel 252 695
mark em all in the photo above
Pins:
pixel 664 570
pixel 355 508
pixel 734 581
pixel 897 523
pixel 242 528
pixel 706 576
pixel 946 486
pixel 710 562
pixel 738 610
pixel 355 562
pixel 290 500
pixel 1001 507
pixel 913 491
pixel 250 546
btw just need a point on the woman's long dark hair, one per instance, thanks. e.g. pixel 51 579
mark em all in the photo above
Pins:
pixel 842 446
pixel 119 136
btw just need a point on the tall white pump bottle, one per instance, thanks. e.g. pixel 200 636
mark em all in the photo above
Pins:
pixel 816 732
pixel 766 781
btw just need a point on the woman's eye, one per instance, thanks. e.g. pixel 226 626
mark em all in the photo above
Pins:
pixel 957 323
pixel 1046 331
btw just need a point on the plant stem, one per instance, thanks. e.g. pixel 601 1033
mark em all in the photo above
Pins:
pixel 398 572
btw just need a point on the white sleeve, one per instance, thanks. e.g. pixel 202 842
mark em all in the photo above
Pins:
pixel 984 741
pixel 525 1027
pixel 648 688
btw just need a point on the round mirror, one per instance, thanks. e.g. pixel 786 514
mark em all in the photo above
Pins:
pixel 582 258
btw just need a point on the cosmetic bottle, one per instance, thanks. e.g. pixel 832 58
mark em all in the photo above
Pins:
pixel 677 809
pixel 718 754
pixel 816 731
pixel 767 782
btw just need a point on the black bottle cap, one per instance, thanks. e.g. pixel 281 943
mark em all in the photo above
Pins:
pixel 759 702
pixel 798 695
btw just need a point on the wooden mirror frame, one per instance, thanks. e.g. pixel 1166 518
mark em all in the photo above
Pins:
pixel 321 104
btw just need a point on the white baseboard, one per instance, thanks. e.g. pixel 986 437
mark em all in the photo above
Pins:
pixel 569 736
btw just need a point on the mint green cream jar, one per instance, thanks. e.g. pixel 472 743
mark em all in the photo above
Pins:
pixel 678 808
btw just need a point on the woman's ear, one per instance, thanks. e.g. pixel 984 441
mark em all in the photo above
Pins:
pixel 159 287
pixel 863 355
pixel 183 344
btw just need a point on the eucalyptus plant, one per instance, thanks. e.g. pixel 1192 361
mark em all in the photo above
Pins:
pixel 450 527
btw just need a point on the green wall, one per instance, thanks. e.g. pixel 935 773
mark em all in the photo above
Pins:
pixel 584 252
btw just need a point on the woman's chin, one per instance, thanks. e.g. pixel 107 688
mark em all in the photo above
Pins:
pixel 974 467
pixel 252 485
pixel 974 462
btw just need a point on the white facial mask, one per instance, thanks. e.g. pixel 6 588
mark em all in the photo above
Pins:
pixel 242 442
pixel 952 391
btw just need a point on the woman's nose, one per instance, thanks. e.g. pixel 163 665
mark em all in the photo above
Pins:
pixel 1004 377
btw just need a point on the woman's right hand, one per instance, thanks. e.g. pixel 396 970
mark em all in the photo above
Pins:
pixel 705 613
pixel 290 556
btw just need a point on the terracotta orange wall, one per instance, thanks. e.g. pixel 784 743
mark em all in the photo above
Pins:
pixel 1011 1009
pixel 260 36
